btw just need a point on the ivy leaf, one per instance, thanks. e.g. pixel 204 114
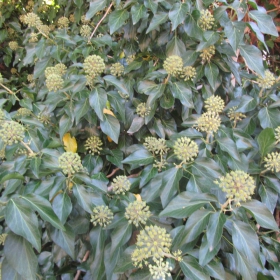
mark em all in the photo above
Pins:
pixel 261 213
pixel 152 5
pixel 211 73
pixel 235 33
pixel 141 157
pixel 175 47
pixel 183 93
pixel 65 239
pixel 157 19
pixel 65 124
pixel 192 269
pixel 20 255
pixel 137 123
pixel 247 104
pixel 111 127
pixel 112 80
pixel 22 221
pixel 43 207
pixel 227 145
pixel 84 198
pixel 138 12
pixel 62 206
pixel 266 139
pixel 8 272
pixel 264 21
pixel 253 58
pixel 269 117
pixel 117 19
pixel 170 184
pixel 97 101
pixel 94 7
pixel 178 14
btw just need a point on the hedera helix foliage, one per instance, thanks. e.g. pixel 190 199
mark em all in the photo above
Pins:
pixel 139 140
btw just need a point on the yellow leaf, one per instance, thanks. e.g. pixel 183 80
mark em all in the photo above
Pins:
pixel 108 112
pixel 109 139
pixel 70 143
pixel 138 197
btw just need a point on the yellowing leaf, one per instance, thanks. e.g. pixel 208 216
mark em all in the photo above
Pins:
pixel 108 112
pixel 70 143
pixel 138 197
pixel 109 139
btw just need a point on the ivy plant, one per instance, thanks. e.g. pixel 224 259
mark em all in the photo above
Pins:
pixel 138 140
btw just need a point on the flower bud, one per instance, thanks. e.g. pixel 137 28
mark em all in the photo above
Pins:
pixel 11 132
pixel 93 145
pixel 121 185
pixel 94 65
pixel 206 20
pixel 142 110
pixel 214 104
pixel 173 65
pixel 54 82
pixel 267 81
pixel 85 31
pixel 137 212
pixel 70 163
pixel 102 215
pixel 117 69
pixel 185 149
pixel 63 22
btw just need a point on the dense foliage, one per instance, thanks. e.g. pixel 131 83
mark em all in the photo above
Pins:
pixel 139 140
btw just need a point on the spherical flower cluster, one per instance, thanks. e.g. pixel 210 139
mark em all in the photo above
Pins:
pixel 173 65
pixel 30 77
pixel 206 20
pixel 215 104
pixel 32 20
pixel 72 18
pixel 43 118
pixel 156 146
pixel 11 32
pixel 235 116
pixel 44 29
pixel 102 215
pixel 188 73
pixel 85 30
pixel 84 20
pixel 13 45
pixel 63 22
pixel 54 82
pixel 52 27
pixel 60 69
pixel 3 237
pixel 121 185
pixel 207 54
pixel 152 241
pixel 33 37
pixel 93 145
pixel 43 8
pixel 23 112
pixel 208 122
pixel 94 65
pixel 142 110
pixel 185 149
pixel 238 185
pixel 13 71
pixel 11 132
pixel 277 134
pixel 22 18
pixel 70 163
pixel 267 81
pixel 117 69
pixel 160 269
pixel 272 162
pixel 137 212
pixel 130 58
pixel 2 116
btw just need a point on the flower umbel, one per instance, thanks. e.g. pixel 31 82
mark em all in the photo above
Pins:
pixel 93 145
pixel 188 73
pixel 102 215
pixel 208 122
pixel 277 134
pixel 207 54
pixel 121 185
pixel 173 65
pixel 117 69
pixel 206 20
pixel 70 163
pixel 85 30
pixel 267 81
pixel 32 20
pixel 215 104
pixel 235 116
pixel 156 146
pixel 137 212
pixel 152 241
pixel 238 185
pixel 13 45
pixel 160 269
pixel 185 149
pixel 272 162
pixel 23 112
pixel 142 110
pixel 63 22
pixel 54 82
pixel 94 65
pixel 11 132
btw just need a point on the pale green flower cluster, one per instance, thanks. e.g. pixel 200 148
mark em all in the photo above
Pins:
pixel 11 132
pixel 207 54
pixel 63 22
pixel 208 122
pixel 185 149
pixel 13 45
pixel 117 69
pixel 238 185
pixel 85 30
pixel 214 104
pixel 156 146
pixel 121 184
pixel 267 81
pixel 23 112
pixel 102 216
pixel 94 65
pixel 54 81
pixel 206 20
pixel 93 145
pixel 137 212
pixel 160 269
pixel 188 73
pixel 173 65
pixel 272 162
pixel 142 110
pixel 70 163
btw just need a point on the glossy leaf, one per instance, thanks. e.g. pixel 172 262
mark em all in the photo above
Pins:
pixel 111 127
pixel 265 141
pixel 117 19
pixel 178 14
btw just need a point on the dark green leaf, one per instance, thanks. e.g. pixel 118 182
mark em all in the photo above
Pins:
pixel 247 104
pixel 62 206
pixel 227 145
pixel 20 255
pixel 269 117
pixel 141 157
pixel 138 12
pixel 65 239
pixel 111 127
pixel 211 73
pixel 216 270
pixel 147 174
pixel 175 47
pixel 43 207
pixel 264 21
pixel 117 19
pixel 8 272
pixel 97 101
pixel 22 221
pixel 65 124
pixel 178 14
pixel 137 123
pixel 183 93
pixel 9 176
pixel 35 166
pixel 151 4
pixel 235 33
pixel 94 7
pixel 83 198
pixel 157 19
pixel 262 215
pixel 266 139
pixel 269 197
pixel 112 80
pixel 253 58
